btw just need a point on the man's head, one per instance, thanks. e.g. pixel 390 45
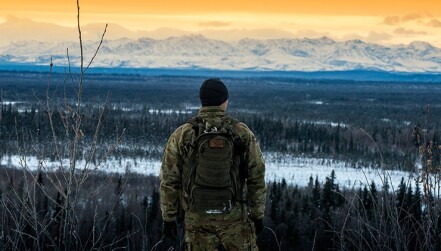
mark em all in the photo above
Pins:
pixel 213 92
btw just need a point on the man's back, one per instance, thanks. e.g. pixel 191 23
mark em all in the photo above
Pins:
pixel 178 169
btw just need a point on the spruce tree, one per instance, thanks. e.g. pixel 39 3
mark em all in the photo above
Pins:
pixel 153 205
pixel 416 202
pixel 408 200
pixel 310 183
pixel 331 196
pixel 374 192
pixel 373 199
pixel 316 193
pixel 327 198
pixel 401 195
pixel 275 195
pixel 283 184
pixel 366 198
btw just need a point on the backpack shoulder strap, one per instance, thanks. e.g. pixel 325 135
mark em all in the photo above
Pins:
pixel 196 123
pixel 240 147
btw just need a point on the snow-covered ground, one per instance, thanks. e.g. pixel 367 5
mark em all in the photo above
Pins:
pixel 295 170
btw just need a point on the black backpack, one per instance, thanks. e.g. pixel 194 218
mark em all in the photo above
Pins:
pixel 215 177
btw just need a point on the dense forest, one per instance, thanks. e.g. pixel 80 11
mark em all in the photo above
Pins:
pixel 375 124
pixel 362 123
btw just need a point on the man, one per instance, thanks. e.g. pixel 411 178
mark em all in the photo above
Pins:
pixel 222 199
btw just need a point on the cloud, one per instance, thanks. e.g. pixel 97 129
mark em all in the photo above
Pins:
pixel 392 20
pixel 163 33
pixel 403 31
pixel 237 34
pixel 434 23
pixel 19 29
pixel 311 34
pixel 376 37
pixel 214 24
pixel 395 20
pixel 371 37
pixel 423 20
pixel 411 17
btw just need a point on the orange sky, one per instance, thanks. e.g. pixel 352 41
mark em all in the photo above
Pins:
pixel 380 21
pixel 319 7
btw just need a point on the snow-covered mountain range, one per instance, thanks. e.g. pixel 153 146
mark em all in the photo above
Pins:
pixel 195 51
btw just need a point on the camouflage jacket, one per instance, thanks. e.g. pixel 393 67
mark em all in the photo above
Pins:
pixel 171 180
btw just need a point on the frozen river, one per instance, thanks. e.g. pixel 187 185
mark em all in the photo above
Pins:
pixel 295 170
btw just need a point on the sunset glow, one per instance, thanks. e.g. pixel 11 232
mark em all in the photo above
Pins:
pixel 384 22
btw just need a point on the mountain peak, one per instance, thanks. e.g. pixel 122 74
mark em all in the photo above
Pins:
pixel 327 40
pixel 197 51
pixel 189 37
pixel 421 46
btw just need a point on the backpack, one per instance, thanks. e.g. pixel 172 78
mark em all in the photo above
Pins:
pixel 214 181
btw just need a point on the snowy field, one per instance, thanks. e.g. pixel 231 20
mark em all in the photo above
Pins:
pixel 295 170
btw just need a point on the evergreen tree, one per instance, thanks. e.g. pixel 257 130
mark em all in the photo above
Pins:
pixel 275 196
pixel 400 204
pixel 351 144
pixel 337 139
pixel 154 208
pixel 374 192
pixel 283 184
pixel 366 198
pixel 408 200
pixel 361 201
pixel 40 179
pixel 416 202
pixel 328 196
pixel 310 183
pixel 288 204
pixel 316 193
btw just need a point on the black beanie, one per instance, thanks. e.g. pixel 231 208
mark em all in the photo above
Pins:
pixel 213 92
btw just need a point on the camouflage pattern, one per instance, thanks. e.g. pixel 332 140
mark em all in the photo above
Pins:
pixel 174 168
pixel 236 235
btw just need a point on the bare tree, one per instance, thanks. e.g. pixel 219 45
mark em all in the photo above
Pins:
pixel 34 222
pixel 430 178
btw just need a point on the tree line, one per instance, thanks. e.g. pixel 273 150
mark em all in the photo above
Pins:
pixel 145 134
pixel 126 215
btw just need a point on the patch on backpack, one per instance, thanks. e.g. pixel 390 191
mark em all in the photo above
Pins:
pixel 216 143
